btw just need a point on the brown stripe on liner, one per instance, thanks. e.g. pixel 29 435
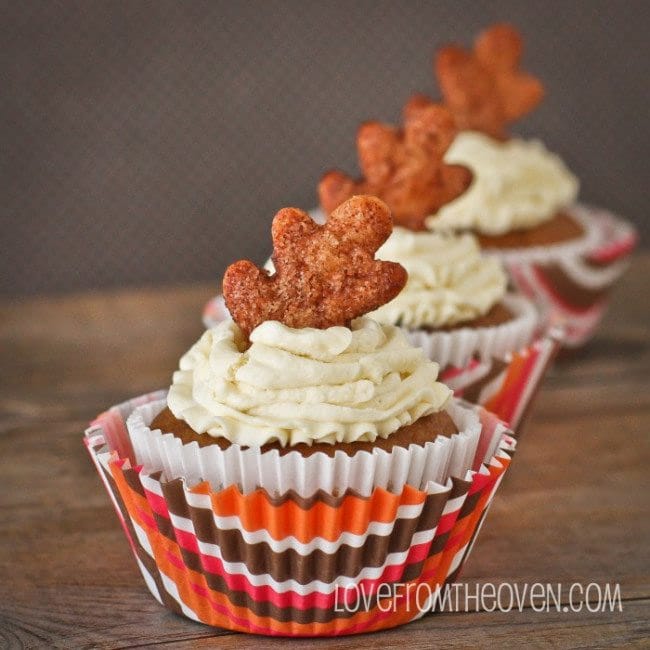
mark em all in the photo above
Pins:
pixel 285 614
pixel 176 498
pixel 97 448
pixel 452 577
pixel 165 526
pixel 133 479
pixel 429 516
pixel 472 392
pixel 434 504
pixel 203 518
pixel 412 571
pixel 459 487
pixel 469 505
pixel 149 563
pixel 439 543
pixel 290 564
pixel 570 291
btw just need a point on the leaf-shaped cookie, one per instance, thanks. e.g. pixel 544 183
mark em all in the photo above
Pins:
pixel 484 88
pixel 404 167
pixel 324 275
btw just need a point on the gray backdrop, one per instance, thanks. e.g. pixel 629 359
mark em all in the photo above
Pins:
pixel 152 142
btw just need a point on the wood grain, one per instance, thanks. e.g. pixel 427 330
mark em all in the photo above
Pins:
pixel 575 507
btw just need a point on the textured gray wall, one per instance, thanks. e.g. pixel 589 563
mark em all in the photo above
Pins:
pixel 153 142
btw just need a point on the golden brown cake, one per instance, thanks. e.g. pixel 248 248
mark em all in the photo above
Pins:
pixel 425 429
pixel 561 228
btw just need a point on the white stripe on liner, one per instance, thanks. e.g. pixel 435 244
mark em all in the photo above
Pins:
pixel 355 540
pixel 172 590
pixel 149 581
pixel 454 504
pixel 142 538
pixel 233 522
pixel 458 558
pixel 264 579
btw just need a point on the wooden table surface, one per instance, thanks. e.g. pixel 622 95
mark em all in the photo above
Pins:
pixel 575 507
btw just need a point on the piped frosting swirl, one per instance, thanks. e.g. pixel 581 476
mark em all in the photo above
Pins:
pixel 304 385
pixel 449 282
pixel 517 185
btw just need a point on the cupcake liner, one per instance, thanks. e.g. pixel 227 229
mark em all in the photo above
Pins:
pixel 499 367
pixel 459 347
pixel 286 564
pixel 507 386
pixel 618 237
pixel 569 284
pixel 250 469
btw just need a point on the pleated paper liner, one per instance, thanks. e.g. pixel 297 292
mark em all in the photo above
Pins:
pixel 249 468
pixel 506 386
pixel 499 367
pixel 459 347
pixel 570 286
pixel 294 564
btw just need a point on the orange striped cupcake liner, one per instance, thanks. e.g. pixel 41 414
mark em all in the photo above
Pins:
pixel 290 563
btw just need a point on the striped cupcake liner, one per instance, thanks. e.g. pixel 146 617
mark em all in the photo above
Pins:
pixel 329 563
pixel 499 367
pixel 506 386
pixel 571 287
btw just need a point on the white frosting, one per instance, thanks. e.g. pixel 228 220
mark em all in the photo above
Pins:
pixel 304 385
pixel 449 282
pixel 517 185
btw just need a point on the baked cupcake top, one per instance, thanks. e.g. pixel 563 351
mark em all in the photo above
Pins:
pixel 449 281
pixel 299 363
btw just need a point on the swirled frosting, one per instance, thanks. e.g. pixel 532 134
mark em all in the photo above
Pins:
pixel 449 282
pixel 517 185
pixel 304 385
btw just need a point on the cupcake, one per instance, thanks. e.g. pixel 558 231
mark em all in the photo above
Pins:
pixel 521 203
pixel 306 469
pixel 454 304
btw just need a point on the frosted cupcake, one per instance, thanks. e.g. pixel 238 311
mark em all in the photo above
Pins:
pixel 521 203
pixel 454 304
pixel 520 191
pixel 306 466
pixel 298 337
